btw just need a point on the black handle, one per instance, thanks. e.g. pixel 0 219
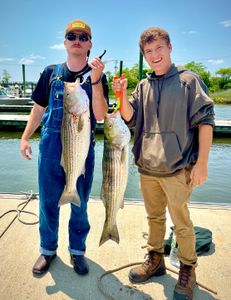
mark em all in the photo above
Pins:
pixel 104 52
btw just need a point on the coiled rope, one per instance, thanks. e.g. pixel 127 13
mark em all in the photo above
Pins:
pixel 20 208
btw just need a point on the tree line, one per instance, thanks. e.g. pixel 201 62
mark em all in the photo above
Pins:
pixel 222 80
pixel 214 83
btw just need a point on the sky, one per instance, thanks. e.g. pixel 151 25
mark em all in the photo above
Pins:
pixel 32 31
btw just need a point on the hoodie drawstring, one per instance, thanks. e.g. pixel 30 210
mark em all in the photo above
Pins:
pixel 160 86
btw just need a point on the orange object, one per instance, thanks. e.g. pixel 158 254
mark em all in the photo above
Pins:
pixel 119 94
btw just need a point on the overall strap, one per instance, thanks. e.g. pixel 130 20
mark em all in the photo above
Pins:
pixel 56 74
pixel 52 118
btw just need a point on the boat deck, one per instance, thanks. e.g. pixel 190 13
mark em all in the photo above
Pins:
pixel 19 250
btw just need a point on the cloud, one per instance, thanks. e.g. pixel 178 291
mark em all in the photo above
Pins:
pixel 34 57
pixel 216 61
pixel 189 32
pixel 26 61
pixel 226 23
pixel 30 59
pixel 57 47
pixel 2 59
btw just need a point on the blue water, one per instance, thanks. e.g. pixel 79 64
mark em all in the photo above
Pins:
pixel 17 174
pixel 223 112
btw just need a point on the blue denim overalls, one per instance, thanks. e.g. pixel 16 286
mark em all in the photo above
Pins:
pixel 51 177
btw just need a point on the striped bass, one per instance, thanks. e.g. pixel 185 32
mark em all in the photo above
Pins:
pixel 76 131
pixel 115 172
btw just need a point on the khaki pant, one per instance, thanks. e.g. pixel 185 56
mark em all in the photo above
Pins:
pixel 173 192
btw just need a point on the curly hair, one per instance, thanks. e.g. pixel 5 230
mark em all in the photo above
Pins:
pixel 153 34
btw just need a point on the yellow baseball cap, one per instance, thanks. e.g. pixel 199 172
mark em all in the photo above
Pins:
pixel 78 25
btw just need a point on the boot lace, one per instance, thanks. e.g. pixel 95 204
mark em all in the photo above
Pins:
pixel 149 259
pixel 184 275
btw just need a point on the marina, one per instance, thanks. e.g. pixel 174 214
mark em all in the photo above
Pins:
pixel 18 122
pixel 61 282
pixel 108 279
pixel 179 76
pixel 21 175
pixel 222 128
pixel 14 114
pixel 11 122
pixel 15 102
pixel 19 108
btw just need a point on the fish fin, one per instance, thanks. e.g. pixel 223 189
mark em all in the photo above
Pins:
pixel 109 234
pixel 71 197
pixel 62 161
pixel 123 156
pixel 80 123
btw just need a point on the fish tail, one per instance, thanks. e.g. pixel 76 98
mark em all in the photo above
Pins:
pixel 69 197
pixel 109 233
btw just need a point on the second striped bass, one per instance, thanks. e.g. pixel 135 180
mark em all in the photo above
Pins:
pixel 115 172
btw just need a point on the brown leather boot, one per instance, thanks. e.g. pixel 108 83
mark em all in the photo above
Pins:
pixel 42 264
pixel 153 266
pixel 186 283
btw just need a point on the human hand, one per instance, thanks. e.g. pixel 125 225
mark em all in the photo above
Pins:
pixel 119 84
pixel 199 174
pixel 97 67
pixel 25 149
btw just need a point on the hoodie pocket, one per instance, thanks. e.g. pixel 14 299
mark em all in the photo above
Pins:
pixel 160 152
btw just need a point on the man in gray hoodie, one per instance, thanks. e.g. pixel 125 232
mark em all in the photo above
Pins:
pixel 172 116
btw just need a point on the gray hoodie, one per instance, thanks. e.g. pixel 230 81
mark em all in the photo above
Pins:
pixel 167 112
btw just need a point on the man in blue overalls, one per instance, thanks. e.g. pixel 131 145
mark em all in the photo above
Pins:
pixel 48 108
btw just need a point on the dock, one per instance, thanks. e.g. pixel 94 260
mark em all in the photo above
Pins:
pixel 222 128
pixel 18 122
pixel 14 122
pixel 16 101
pixel 19 250
pixel 20 108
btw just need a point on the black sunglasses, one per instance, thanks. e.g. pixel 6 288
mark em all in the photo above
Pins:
pixel 81 36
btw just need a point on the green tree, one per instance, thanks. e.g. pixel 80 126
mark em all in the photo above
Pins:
pixel 225 78
pixel 214 81
pixel 5 78
pixel 199 69
pixel 109 79
pixel 132 76
pixel 224 72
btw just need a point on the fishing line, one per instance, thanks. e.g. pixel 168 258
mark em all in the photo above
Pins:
pixel 19 210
